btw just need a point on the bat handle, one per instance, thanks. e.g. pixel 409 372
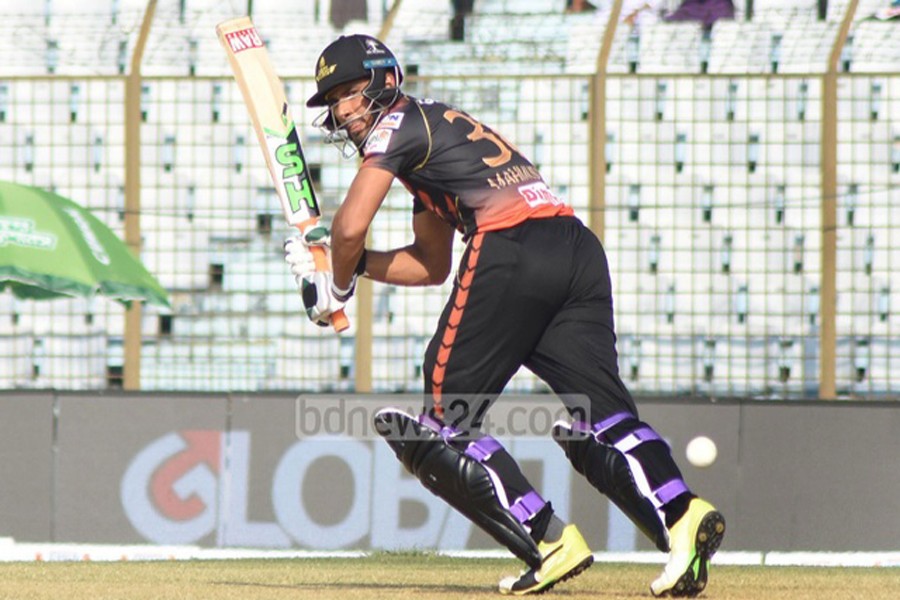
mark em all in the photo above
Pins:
pixel 338 319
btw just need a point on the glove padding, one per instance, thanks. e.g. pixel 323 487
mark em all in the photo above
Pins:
pixel 316 290
pixel 320 297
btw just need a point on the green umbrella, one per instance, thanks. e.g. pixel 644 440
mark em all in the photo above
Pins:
pixel 51 247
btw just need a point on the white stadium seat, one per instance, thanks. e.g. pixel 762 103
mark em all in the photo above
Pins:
pixel 249 332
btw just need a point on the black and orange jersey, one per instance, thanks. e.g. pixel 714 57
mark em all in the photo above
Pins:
pixel 459 168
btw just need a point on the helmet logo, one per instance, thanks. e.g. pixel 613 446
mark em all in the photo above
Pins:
pixel 324 70
pixel 373 47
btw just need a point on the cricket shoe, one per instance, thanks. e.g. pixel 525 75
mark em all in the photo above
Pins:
pixel 560 560
pixel 693 539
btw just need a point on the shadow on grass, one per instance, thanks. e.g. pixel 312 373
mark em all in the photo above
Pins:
pixel 424 588
pixel 357 585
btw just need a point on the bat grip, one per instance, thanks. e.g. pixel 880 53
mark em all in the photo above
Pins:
pixel 338 319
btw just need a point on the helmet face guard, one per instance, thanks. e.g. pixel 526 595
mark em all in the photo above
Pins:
pixel 347 59
pixel 379 98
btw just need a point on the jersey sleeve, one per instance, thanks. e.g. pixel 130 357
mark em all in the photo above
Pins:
pixel 399 143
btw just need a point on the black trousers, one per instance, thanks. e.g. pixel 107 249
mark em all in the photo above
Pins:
pixel 537 295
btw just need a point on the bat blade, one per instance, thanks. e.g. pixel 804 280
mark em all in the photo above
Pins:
pixel 263 93
pixel 270 113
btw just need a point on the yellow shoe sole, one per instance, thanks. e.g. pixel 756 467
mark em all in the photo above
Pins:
pixel 709 537
pixel 535 582
pixel 546 586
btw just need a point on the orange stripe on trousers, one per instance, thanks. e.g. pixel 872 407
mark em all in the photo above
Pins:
pixel 453 321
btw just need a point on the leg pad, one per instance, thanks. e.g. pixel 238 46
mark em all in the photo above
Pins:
pixel 608 470
pixel 459 479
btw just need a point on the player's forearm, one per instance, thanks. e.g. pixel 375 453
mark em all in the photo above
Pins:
pixel 345 254
pixel 348 238
pixel 404 266
pixel 352 219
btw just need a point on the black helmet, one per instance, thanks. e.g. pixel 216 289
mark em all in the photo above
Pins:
pixel 352 57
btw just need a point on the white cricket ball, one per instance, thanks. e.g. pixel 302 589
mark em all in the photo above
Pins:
pixel 701 451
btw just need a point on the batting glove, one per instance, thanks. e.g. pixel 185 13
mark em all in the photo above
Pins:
pixel 314 285
pixel 320 296
pixel 298 251
pixel 318 293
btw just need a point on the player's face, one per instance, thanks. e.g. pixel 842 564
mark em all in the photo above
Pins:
pixel 351 110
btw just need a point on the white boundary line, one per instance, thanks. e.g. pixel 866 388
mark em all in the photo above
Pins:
pixel 11 551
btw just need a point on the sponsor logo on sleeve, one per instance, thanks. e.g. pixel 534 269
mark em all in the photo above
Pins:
pixel 378 141
pixel 391 121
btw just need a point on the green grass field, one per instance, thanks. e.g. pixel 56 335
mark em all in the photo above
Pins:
pixel 411 576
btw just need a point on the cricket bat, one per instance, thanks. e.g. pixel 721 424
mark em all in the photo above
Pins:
pixel 264 96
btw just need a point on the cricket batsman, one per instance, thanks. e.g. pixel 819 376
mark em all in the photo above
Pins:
pixel 532 288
